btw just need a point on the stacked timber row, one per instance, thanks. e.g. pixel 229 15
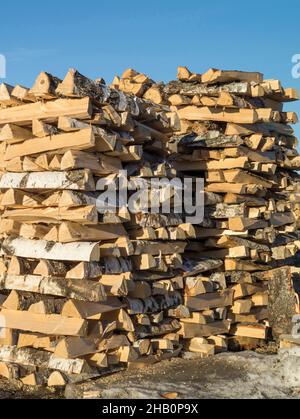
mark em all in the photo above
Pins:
pixel 235 134
pixel 83 290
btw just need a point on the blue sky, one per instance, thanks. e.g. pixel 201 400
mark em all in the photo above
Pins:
pixel 102 38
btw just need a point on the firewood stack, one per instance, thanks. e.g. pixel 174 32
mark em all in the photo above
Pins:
pixel 234 133
pixel 82 291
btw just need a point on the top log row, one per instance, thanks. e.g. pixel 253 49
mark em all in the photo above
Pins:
pixel 214 83
pixel 21 105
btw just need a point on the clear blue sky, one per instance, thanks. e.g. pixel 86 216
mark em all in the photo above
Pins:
pixel 102 38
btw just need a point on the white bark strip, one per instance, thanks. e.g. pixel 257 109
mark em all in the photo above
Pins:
pixel 40 249
pixel 52 324
pixel 80 180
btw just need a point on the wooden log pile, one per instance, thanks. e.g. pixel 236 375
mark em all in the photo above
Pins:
pixel 84 290
pixel 234 132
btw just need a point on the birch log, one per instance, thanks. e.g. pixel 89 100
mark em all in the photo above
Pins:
pixel 75 180
pixel 40 249
pixel 77 85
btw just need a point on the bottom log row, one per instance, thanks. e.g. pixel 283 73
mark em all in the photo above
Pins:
pixel 55 331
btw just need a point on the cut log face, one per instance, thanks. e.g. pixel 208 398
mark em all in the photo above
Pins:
pixel 49 268
pixel 56 379
pixel 282 301
pixel 12 134
pixel 6 95
pixel 9 371
pixel 189 331
pixel 80 140
pixel 70 232
pixel 100 166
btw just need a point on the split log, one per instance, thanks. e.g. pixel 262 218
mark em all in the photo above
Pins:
pixel 235 188
pixel 68 124
pixel 48 268
pixel 242 116
pixel 82 215
pixel 70 232
pixel 8 336
pixel 189 331
pixel 6 96
pixel 77 85
pixel 196 268
pixel 9 371
pixel 39 249
pixel 151 248
pixel 90 311
pixel 209 301
pixel 81 290
pixel 19 266
pixel 44 86
pixel 268 129
pixel 189 89
pixel 44 324
pixel 12 134
pixel 100 165
pixel 250 331
pixel 32 358
pixel 23 94
pixel 80 140
pixel 48 112
pixel 56 379
pixel 255 315
pixel 240 265
pixel 75 347
pixel 84 270
pixel 243 224
pixel 227 164
pixel 214 76
pixel 41 129
pixel 210 139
